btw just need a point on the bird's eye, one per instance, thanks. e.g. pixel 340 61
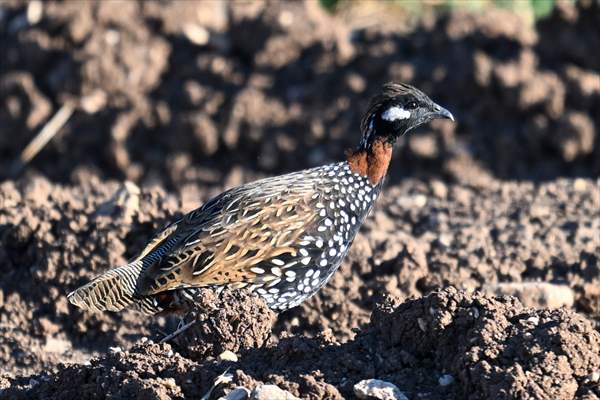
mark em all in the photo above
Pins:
pixel 411 105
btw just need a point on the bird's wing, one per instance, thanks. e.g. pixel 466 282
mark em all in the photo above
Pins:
pixel 245 236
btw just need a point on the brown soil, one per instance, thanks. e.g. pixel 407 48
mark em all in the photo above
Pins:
pixel 490 347
pixel 185 99
pixel 277 88
pixel 421 237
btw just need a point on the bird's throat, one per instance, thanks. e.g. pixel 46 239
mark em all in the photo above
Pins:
pixel 372 163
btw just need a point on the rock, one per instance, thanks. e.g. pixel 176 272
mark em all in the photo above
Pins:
pixel 56 345
pixel 536 294
pixel 378 389
pixel 93 102
pixel 446 380
pixel 228 356
pixel 196 34
pixel 35 12
pixel 271 392
pixel 439 189
pixel 240 393
pixel 116 349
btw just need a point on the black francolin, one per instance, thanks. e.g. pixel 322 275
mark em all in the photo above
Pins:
pixel 280 237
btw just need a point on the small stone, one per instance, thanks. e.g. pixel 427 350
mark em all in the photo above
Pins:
pixel 439 189
pixel 536 294
pixel 35 11
pixel 271 392
pixel 93 102
pixel 239 393
pixel 116 349
pixel 378 389
pixel 594 376
pixel 580 185
pixel 228 356
pixel 196 34
pixel 170 383
pixel 56 345
pixel 540 211
pixel 446 380
pixel 286 18
pixel 420 200
pixel 112 37
pixel 445 239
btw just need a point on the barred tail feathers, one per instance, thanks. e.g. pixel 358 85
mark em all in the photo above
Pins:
pixel 114 290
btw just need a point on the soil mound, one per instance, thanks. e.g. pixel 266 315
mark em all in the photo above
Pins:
pixel 447 344
pixel 231 320
pixel 493 236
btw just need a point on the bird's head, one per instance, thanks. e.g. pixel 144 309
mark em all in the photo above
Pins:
pixel 398 109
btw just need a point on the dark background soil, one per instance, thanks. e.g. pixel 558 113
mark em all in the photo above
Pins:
pixel 184 99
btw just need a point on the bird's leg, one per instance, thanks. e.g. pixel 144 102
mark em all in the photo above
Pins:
pixel 181 323
pixel 182 327
pixel 219 291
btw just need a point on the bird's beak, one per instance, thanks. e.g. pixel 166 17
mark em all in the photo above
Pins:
pixel 441 112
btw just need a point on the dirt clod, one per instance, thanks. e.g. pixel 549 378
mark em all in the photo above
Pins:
pixel 229 321
pixel 376 389
pixel 494 347
pixel 536 294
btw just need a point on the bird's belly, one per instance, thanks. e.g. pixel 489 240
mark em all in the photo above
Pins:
pixel 328 245
pixel 306 277
pixel 298 286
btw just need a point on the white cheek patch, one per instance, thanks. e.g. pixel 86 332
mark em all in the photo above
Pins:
pixel 395 113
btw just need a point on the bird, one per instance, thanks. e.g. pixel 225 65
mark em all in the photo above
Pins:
pixel 281 237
